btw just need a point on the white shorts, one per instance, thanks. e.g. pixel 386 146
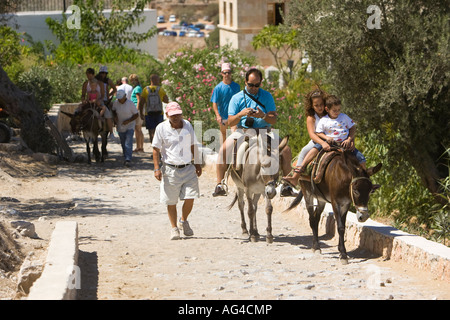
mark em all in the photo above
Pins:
pixel 178 184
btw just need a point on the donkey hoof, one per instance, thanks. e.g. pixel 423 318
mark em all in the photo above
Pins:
pixel 344 261
pixel 269 239
pixel 317 251
pixel 254 238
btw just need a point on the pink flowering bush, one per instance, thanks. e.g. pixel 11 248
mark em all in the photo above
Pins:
pixel 190 76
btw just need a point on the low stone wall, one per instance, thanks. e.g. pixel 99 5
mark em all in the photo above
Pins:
pixel 61 276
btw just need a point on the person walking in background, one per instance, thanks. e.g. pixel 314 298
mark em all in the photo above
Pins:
pixel 125 114
pixel 151 104
pixel 136 97
pixel 109 90
pixel 221 97
pixel 175 142
pixel 125 87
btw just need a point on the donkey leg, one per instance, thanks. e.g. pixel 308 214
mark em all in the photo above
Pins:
pixel 96 151
pixel 241 205
pixel 254 236
pixel 340 216
pixel 88 151
pixel 314 218
pixel 269 210
pixel 104 143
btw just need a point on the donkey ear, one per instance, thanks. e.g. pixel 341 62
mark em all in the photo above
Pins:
pixel 375 187
pixel 371 171
pixel 283 143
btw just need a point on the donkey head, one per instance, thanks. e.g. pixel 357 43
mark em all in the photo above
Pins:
pixel 360 190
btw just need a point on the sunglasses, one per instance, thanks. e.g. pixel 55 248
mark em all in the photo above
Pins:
pixel 253 85
pixel 226 72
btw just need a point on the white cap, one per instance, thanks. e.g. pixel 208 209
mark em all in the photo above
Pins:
pixel 120 94
pixel 103 69
pixel 226 66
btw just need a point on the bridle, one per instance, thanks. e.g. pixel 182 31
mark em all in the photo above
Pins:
pixel 351 186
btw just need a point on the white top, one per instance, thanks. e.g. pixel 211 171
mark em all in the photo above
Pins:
pixel 127 88
pixel 174 144
pixel 338 128
pixel 124 112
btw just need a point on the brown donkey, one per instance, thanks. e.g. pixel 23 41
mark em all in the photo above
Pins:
pixel 344 183
pixel 87 121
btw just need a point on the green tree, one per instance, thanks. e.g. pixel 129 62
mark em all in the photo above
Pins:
pixel 392 77
pixel 96 28
pixel 10 50
pixel 282 44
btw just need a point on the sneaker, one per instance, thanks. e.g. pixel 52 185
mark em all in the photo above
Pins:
pixel 113 138
pixel 127 163
pixel 175 234
pixel 287 191
pixel 186 228
pixel 219 191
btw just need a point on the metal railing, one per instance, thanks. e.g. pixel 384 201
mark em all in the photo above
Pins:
pixel 51 5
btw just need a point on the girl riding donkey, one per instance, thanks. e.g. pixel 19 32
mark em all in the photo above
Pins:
pixel 335 127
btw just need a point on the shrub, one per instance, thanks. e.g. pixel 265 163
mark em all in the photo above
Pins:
pixel 35 81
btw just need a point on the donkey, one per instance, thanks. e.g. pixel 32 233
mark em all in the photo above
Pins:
pixel 87 122
pixel 256 174
pixel 344 183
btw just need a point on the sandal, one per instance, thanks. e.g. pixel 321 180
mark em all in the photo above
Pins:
pixel 284 180
pixel 300 170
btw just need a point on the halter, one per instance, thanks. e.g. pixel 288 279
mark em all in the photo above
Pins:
pixel 351 186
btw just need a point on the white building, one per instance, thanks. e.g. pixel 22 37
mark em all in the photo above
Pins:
pixel 33 23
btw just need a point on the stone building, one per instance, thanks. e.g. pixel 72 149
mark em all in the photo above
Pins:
pixel 241 20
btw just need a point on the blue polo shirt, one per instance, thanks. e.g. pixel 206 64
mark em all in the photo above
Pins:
pixel 222 94
pixel 238 102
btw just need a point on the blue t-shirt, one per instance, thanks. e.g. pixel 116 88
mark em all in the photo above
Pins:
pixel 137 89
pixel 238 103
pixel 222 94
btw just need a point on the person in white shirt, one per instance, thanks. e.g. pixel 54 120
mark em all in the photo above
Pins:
pixel 335 127
pixel 126 87
pixel 175 142
pixel 125 114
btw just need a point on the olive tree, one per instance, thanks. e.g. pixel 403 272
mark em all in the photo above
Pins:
pixel 390 65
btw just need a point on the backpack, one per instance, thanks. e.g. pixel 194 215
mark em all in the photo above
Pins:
pixel 154 103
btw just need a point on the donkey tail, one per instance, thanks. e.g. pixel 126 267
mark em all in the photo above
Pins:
pixel 296 202
pixel 233 202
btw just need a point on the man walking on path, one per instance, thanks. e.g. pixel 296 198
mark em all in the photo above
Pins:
pixel 125 114
pixel 175 142
pixel 221 97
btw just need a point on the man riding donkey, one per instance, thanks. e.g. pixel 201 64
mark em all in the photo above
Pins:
pixel 251 108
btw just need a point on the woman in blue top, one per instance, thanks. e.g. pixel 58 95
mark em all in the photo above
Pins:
pixel 221 96
pixel 135 97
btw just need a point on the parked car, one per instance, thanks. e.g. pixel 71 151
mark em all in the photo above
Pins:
pixel 172 18
pixel 182 33
pixel 210 27
pixel 192 34
pixel 199 25
pixel 169 33
pixel 161 19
